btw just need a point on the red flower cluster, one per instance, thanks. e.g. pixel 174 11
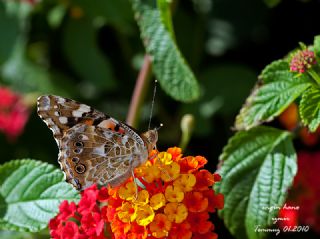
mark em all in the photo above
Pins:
pixel 88 214
pixel 13 113
pixel 305 192
pixel 302 60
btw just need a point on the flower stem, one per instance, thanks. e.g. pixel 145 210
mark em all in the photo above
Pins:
pixel 139 92
pixel 314 75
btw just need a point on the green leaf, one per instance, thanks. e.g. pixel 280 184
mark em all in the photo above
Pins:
pixel 316 46
pixel 165 11
pixel 275 91
pixel 309 108
pixel 170 68
pixel 31 193
pixel 258 167
pixel 83 54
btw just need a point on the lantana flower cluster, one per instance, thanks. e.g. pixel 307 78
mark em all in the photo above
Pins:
pixel 13 113
pixel 173 201
pixel 302 60
pixel 171 197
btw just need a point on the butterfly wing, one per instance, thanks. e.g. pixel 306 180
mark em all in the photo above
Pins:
pixel 90 154
pixel 60 114
pixel 110 148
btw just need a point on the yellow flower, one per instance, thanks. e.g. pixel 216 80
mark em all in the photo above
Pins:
pixel 151 173
pixel 185 182
pixel 174 194
pixel 157 201
pixel 128 192
pixel 170 172
pixel 127 212
pixel 142 198
pixel 164 158
pixel 145 215
pixel 176 212
pixel 160 226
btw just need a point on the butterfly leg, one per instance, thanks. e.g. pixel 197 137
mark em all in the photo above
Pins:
pixel 162 164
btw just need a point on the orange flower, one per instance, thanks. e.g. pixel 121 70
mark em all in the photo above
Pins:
pixel 175 152
pixel 161 226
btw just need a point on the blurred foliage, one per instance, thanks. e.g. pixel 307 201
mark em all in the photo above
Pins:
pixel 91 51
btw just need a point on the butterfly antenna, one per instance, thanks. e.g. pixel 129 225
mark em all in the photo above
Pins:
pixel 152 103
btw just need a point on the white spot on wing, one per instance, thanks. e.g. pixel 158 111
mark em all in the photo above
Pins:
pixel 44 102
pixel 82 109
pixel 99 150
pixel 63 120
pixel 77 113
pixel 61 100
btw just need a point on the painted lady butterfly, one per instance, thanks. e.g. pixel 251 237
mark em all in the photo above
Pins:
pixel 93 147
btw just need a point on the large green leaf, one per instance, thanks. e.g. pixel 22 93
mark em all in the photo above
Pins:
pixel 275 91
pixel 309 108
pixel 170 68
pixel 258 167
pixel 30 193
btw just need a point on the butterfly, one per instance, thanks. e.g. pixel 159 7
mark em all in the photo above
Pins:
pixel 93 147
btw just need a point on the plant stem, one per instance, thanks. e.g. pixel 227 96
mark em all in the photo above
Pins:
pixel 139 92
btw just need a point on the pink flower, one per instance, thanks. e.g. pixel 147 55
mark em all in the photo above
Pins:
pixel 302 60
pixel 13 113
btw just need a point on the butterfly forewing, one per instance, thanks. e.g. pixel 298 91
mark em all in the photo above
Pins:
pixel 93 147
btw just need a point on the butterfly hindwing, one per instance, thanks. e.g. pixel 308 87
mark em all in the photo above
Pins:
pixel 90 154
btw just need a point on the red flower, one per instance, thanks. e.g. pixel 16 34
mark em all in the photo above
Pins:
pixel 88 202
pixel 288 217
pixel 88 214
pixel 92 224
pixel 67 210
pixel 196 202
pixel 13 113
pixel 205 179
pixel 305 193
pixel 200 223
